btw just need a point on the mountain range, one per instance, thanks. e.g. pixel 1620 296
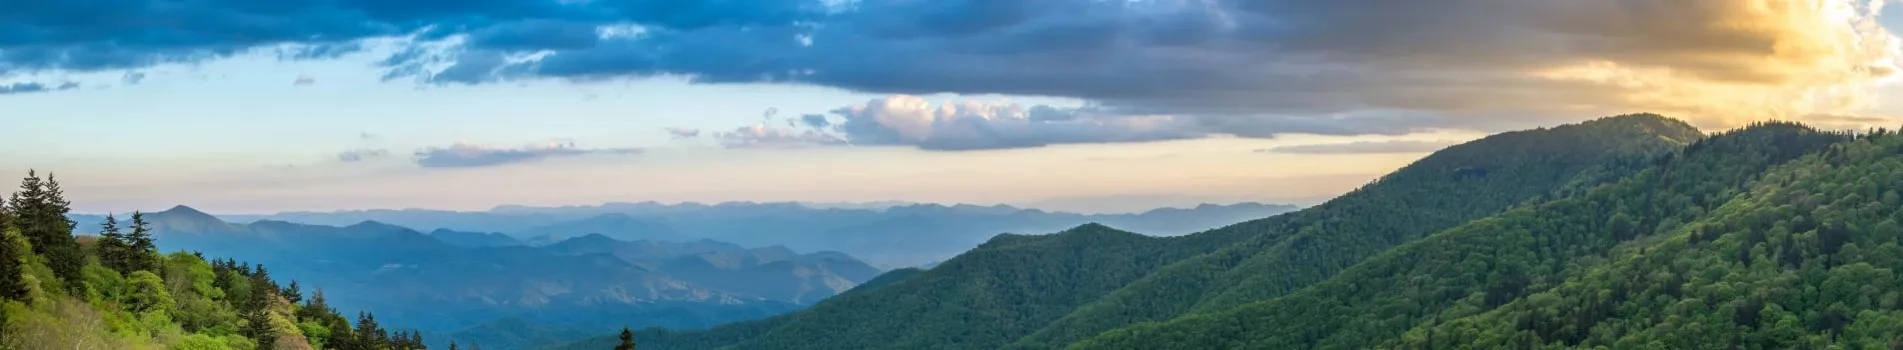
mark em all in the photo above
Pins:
pixel 453 285
pixel 1634 231
pixel 889 235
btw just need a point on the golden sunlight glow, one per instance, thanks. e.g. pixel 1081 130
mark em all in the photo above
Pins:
pixel 1764 59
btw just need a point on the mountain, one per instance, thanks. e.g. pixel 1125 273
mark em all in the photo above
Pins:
pixel 618 226
pixel 775 273
pixel 1487 263
pixel 1447 188
pixel 474 239
pixel 482 283
pixel 885 234
pixel 1048 291
pixel 645 253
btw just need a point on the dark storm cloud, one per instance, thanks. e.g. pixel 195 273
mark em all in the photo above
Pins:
pixel 463 155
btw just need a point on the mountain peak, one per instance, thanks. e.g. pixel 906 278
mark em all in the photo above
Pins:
pixel 592 239
pixel 184 211
pixel 185 219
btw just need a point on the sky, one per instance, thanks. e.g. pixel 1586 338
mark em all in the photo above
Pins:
pixel 258 106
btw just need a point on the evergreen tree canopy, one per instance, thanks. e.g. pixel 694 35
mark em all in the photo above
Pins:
pixel 627 340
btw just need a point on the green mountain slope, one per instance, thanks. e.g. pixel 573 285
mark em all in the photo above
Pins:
pixel 1808 259
pixel 1450 187
pixel 1485 263
pixel 1001 292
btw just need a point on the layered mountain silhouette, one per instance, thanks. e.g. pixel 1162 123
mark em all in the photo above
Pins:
pixel 449 281
pixel 893 235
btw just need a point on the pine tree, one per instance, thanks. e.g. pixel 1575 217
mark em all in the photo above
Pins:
pixel 452 345
pixel 627 339
pixel 145 254
pixel 369 335
pixel 291 293
pixel 12 256
pixel 42 208
pixel 113 249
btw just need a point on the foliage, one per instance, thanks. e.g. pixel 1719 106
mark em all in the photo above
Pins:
pixel 1447 188
pixel 121 294
pixel 1488 262
pixel 1809 258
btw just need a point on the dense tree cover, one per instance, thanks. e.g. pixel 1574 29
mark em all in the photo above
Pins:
pixel 1447 188
pixel 116 291
pixel 1490 262
pixel 1809 258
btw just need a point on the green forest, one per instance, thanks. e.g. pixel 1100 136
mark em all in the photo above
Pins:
pixel 115 290
pixel 1627 232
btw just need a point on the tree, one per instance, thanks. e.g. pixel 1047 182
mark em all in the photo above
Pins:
pixel 146 292
pixel 12 256
pixel 369 334
pixel 291 293
pixel 452 345
pixel 144 253
pixel 113 249
pixel 627 339
pixel 42 208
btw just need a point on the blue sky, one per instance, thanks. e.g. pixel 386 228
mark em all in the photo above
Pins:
pixel 1073 104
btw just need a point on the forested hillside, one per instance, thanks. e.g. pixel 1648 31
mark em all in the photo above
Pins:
pixel 1808 257
pixel 116 291
pixel 1046 291
pixel 1447 188
pixel 1486 263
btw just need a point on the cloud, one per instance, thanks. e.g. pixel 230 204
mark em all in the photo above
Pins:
pixel 91 35
pixel 319 51
pixel 815 121
pixel 33 87
pixel 466 155
pixel 975 125
pixel 912 121
pixel 132 78
pixel 1452 63
pixel 303 80
pixel 1363 147
pixel 682 133
pixel 763 136
pixel 1718 62
pixel 366 136
pixel 358 155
